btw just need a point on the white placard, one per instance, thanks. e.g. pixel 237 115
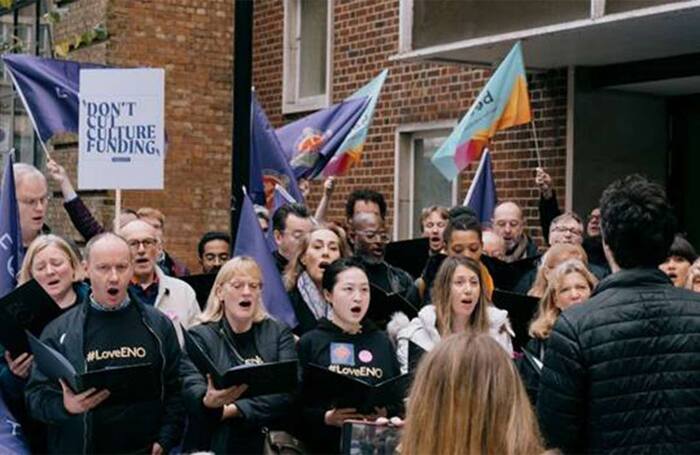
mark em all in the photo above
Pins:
pixel 121 138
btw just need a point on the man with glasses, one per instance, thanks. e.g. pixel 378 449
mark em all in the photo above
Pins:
pixel 150 285
pixel 369 237
pixel 290 224
pixel 32 198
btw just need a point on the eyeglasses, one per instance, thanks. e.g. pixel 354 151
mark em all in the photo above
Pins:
pixel 570 230
pixel 146 243
pixel 34 201
pixel 374 235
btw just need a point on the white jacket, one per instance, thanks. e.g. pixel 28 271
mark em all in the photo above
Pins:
pixel 422 330
pixel 178 301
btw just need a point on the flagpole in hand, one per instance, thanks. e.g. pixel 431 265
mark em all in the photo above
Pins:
pixel 537 146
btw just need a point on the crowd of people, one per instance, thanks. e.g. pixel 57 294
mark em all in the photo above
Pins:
pixel 609 311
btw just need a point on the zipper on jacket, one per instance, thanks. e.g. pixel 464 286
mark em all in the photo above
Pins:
pixel 162 356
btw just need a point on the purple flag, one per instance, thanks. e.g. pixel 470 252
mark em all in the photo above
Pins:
pixel 311 142
pixel 250 241
pixel 49 90
pixel 10 231
pixel 481 196
pixel 268 164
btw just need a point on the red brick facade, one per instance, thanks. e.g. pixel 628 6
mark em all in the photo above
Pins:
pixel 192 40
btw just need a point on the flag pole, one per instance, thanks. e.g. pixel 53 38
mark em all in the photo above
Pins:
pixel 537 146
pixel 117 209
pixel 29 113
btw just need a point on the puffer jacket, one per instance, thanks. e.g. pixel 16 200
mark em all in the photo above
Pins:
pixel 622 372
pixel 422 330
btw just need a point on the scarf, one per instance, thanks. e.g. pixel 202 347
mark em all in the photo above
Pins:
pixel 519 251
pixel 312 296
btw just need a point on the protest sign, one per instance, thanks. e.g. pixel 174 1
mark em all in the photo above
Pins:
pixel 121 129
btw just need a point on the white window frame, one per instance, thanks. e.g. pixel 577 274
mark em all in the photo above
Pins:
pixel 291 101
pixel 404 183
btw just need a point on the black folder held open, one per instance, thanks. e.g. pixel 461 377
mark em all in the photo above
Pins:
pixel 343 391
pixel 28 307
pixel 264 379
pixel 128 384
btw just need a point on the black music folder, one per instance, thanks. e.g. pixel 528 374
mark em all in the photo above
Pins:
pixel 506 275
pixel 383 304
pixel 264 379
pixel 521 310
pixel 28 307
pixel 409 255
pixel 127 384
pixel 349 392
pixel 415 353
pixel 202 285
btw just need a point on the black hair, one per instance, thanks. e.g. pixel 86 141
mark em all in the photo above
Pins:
pixel 461 211
pixel 365 194
pixel 279 219
pixel 461 223
pixel 681 247
pixel 335 268
pixel 637 222
pixel 208 237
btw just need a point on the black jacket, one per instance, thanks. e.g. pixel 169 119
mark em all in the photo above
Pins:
pixel 305 317
pixel 529 371
pixel 274 342
pixel 622 371
pixel 369 348
pixel 72 433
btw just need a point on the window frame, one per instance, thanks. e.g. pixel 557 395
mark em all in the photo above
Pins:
pixel 404 175
pixel 291 101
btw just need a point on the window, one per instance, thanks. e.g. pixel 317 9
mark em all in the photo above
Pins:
pixel 22 29
pixel 307 55
pixel 418 183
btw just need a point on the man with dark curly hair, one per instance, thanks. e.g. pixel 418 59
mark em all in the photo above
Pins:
pixel 622 370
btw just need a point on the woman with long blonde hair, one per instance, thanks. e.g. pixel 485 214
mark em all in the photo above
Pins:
pixel 554 256
pixel 459 304
pixel 570 283
pixel 235 330
pixel 467 398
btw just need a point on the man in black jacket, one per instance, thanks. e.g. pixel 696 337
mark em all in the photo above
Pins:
pixel 110 329
pixel 622 371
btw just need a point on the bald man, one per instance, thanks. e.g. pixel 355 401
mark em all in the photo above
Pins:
pixel 150 285
pixel 508 222
pixel 110 329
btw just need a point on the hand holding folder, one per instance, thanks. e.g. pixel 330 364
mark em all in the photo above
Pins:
pixel 265 379
pixel 127 384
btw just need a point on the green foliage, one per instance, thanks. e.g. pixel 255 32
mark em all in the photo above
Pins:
pixel 97 34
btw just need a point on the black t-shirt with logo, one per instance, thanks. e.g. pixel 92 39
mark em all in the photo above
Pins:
pixel 115 339
pixel 368 355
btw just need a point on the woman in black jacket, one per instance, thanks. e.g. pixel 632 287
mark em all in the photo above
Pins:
pixel 236 330
pixel 570 283
pixel 346 345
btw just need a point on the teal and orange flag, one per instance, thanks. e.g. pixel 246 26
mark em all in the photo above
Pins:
pixel 503 103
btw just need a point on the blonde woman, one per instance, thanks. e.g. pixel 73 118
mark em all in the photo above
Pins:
pixel 570 283
pixel 302 278
pixel 236 330
pixel 467 398
pixel 554 256
pixel 459 305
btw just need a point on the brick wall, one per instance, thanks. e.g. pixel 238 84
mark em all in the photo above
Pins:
pixel 194 45
pixel 366 35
